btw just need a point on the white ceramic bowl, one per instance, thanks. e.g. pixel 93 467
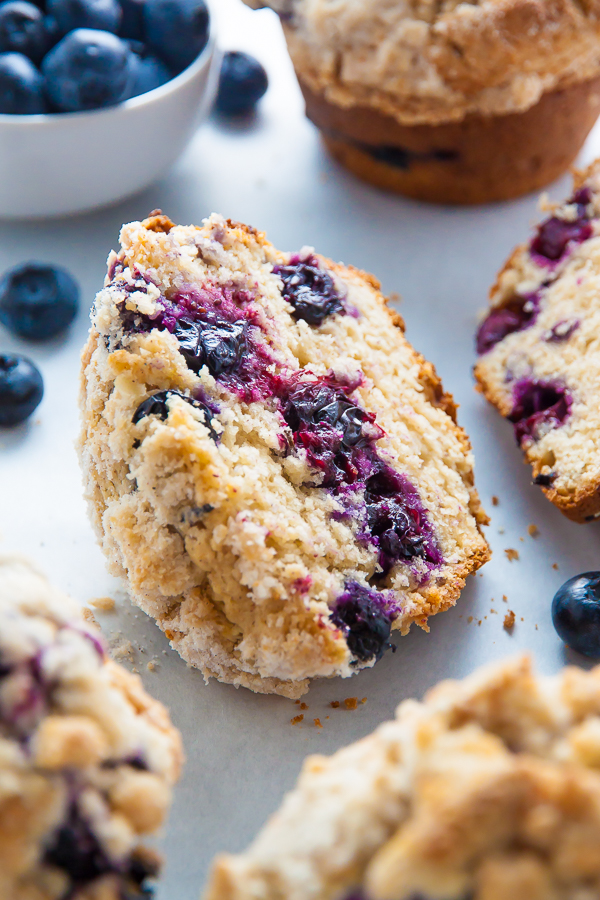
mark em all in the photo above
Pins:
pixel 52 165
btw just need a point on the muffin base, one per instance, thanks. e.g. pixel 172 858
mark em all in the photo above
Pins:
pixel 481 159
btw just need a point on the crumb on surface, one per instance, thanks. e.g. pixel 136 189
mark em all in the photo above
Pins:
pixel 470 619
pixel 533 530
pixel 317 723
pixel 106 604
pixel 509 620
pixel 511 553
pixel 555 566
pixel 495 612
pixel 124 650
pixel 495 501
pixel 297 719
pixel 504 598
pixel 152 665
pixel 351 702
pixel 364 700
pixel 304 706
pixel 89 616
pixel 335 704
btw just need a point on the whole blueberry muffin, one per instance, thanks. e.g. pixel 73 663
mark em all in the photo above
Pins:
pixel 87 758
pixel 268 461
pixel 539 361
pixel 446 101
pixel 488 790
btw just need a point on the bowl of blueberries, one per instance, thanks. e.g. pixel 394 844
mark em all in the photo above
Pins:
pixel 98 98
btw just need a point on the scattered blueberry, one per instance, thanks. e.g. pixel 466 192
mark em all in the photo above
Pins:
pixel 242 83
pixel 87 69
pixel 218 345
pixel 537 408
pixel 517 314
pixel 21 388
pixel 576 613
pixel 177 30
pixel 361 613
pixel 311 292
pixel 156 405
pixel 146 72
pixel 22 29
pixel 70 14
pixel 21 86
pixel 38 301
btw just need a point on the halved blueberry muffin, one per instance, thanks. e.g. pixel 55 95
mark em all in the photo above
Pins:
pixel 487 790
pixel 539 361
pixel 87 758
pixel 268 461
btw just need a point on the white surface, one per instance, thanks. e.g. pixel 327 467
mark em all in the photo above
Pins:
pixel 58 164
pixel 242 751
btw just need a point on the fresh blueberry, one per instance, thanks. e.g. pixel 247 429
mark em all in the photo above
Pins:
pixel 21 388
pixel 217 345
pixel 38 301
pixel 576 613
pixel 242 83
pixel 146 72
pixel 21 86
pixel 104 15
pixel 22 29
pixel 177 30
pixel 311 292
pixel 156 405
pixel 87 69
pixel 361 613
pixel 132 23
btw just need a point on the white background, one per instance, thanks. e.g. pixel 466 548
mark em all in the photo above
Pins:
pixel 273 173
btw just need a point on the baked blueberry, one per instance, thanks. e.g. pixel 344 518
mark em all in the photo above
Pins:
pixel 361 613
pixel 38 301
pixel 156 405
pixel 87 69
pixel 146 72
pixel 576 613
pixel 75 850
pixel 22 29
pixel 218 345
pixel 242 82
pixel 555 234
pixel 104 15
pixel 21 388
pixel 21 86
pixel 177 30
pixel 538 406
pixel 513 316
pixel 311 292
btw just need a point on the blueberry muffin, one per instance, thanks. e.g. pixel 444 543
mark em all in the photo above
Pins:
pixel 489 790
pixel 87 758
pixel 539 360
pixel 444 101
pixel 270 464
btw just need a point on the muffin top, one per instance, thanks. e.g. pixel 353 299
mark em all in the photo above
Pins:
pixel 434 61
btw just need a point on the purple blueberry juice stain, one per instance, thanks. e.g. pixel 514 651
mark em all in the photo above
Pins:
pixel 538 407
pixel 562 331
pixel 555 236
pixel 519 313
pixel 310 290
